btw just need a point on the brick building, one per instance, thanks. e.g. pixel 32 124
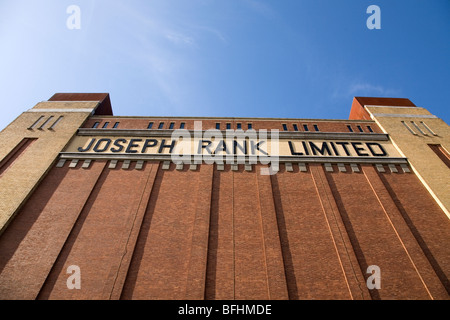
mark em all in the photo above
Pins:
pixel 187 208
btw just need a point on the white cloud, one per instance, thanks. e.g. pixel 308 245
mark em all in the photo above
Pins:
pixel 370 89
pixel 179 38
pixel 210 30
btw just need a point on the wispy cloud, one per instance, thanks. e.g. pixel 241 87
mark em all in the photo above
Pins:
pixel 210 30
pixel 366 88
pixel 179 38
pixel 166 51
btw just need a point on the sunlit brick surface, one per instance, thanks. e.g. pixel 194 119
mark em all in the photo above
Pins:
pixel 151 229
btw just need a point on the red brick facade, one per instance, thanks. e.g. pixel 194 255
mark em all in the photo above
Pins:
pixel 204 233
pixel 208 234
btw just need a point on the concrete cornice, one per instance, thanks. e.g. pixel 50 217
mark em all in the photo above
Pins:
pixel 239 159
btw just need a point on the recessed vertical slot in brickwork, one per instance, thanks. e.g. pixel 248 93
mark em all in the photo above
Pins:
pixel 286 250
pixel 15 154
pixel 55 123
pixel 428 128
pixel 35 123
pixel 45 123
pixel 409 129
pixel 34 239
pixel 338 184
pixel 441 153
pixel 410 199
pixel 417 127
pixel 220 274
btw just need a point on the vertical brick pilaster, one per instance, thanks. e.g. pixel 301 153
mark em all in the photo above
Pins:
pixel 354 279
pixel 276 277
pixel 373 239
pixel 430 281
pixel 196 280
pixel 45 221
pixel 129 241
pixel 220 265
pixel 250 262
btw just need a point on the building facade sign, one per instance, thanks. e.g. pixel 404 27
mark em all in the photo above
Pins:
pixel 246 146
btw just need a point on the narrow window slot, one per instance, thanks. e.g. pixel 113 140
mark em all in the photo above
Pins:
pixel 45 123
pixel 417 127
pixel 409 129
pixel 36 123
pixel 55 123
pixel 11 157
pixel 441 153
pixel 428 128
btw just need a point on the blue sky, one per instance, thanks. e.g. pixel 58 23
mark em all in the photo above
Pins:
pixel 231 58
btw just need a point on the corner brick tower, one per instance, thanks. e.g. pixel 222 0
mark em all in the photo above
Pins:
pixel 31 143
pixel 418 135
